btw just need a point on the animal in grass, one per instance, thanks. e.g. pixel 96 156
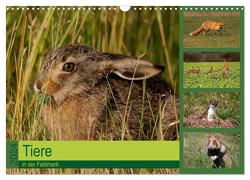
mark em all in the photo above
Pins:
pixel 195 70
pixel 225 71
pixel 218 152
pixel 211 114
pixel 99 95
pixel 212 69
pixel 191 70
pixel 207 26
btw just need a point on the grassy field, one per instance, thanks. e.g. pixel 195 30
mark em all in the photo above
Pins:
pixel 214 79
pixel 195 149
pixel 31 34
pixel 196 104
pixel 230 33
pixel 114 171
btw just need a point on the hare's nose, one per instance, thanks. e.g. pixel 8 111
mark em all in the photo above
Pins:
pixel 38 86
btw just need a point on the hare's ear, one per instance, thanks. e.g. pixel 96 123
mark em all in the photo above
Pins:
pixel 134 69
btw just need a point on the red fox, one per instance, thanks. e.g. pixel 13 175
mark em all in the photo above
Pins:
pixel 207 26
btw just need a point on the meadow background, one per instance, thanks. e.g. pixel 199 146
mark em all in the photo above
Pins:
pixel 30 34
pixel 230 32
pixel 195 149
pixel 216 79
pixel 196 104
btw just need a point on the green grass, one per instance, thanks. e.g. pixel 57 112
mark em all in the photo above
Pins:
pixel 195 150
pixel 230 33
pixel 196 103
pixel 211 80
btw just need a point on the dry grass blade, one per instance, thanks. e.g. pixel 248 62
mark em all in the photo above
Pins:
pixel 164 44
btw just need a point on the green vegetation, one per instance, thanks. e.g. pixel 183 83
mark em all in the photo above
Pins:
pixel 203 79
pixel 197 103
pixel 31 34
pixel 96 171
pixel 230 33
pixel 195 150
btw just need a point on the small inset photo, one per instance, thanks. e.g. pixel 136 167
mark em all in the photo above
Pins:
pixel 211 110
pixel 211 69
pixel 211 29
pixel 211 150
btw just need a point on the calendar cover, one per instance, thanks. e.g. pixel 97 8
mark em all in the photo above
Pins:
pixel 142 90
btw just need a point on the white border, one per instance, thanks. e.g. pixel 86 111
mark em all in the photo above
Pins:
pixel 5 3
pixel 127 2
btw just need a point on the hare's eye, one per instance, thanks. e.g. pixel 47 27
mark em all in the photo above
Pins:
pixel 68 67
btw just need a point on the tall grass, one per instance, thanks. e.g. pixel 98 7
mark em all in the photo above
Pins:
pixel 114 171
pixel 31 34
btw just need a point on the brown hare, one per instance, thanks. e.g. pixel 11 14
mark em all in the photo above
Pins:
pixel 104 96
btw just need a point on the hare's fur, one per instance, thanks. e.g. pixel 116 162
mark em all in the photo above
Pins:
pixel 104 97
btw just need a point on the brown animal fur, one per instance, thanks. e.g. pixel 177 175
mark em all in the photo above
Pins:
pixel 212 69
pixel 195 70
pixel 207 26
pixel 102 98
pixel 226 68
pixel 215 141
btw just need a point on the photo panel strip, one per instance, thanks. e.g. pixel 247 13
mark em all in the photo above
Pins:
pixel 212 90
